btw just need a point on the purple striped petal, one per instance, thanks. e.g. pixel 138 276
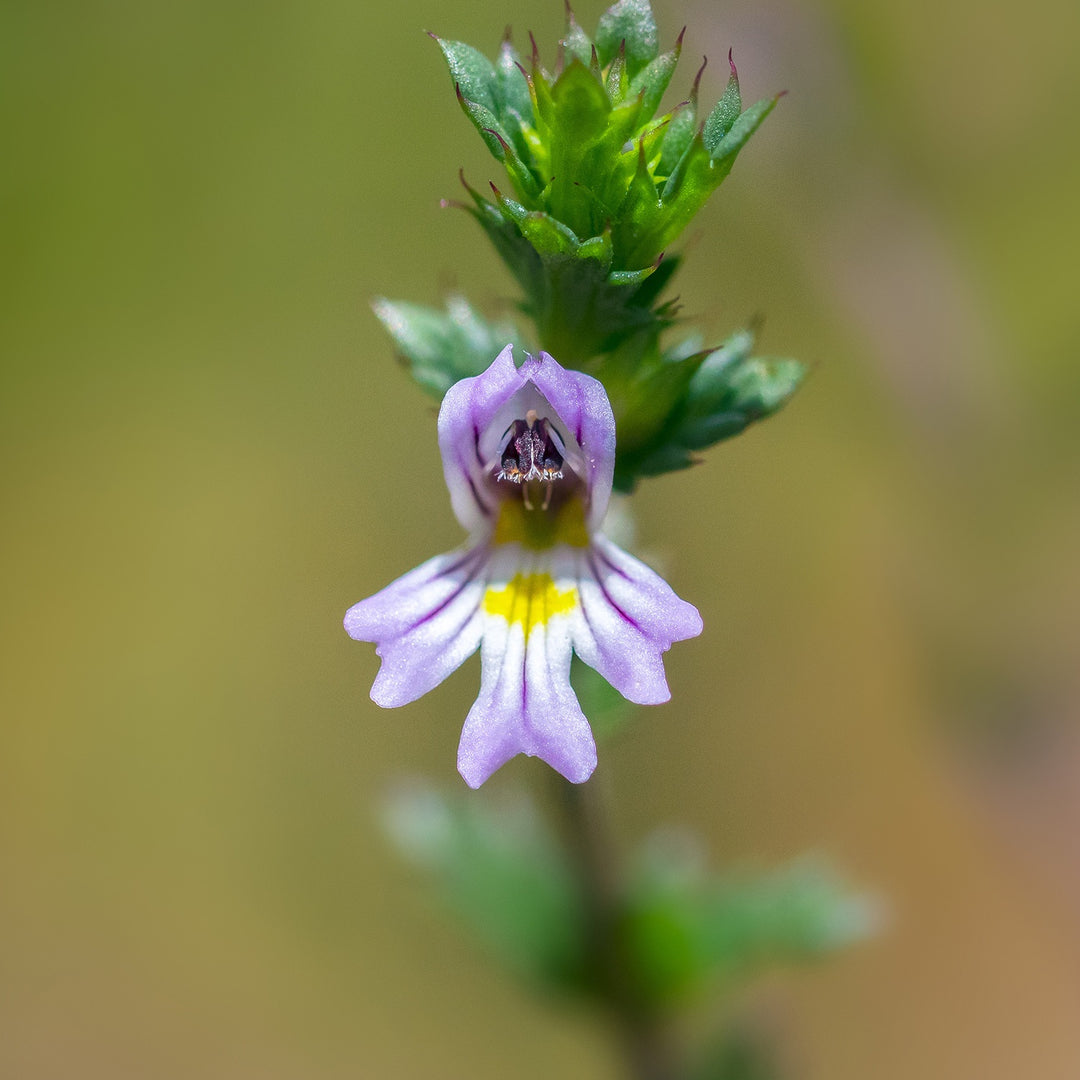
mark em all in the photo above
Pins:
pixel 643 594
pixel 526 704
pixel 581 403
pixel 426 625
pixel 467 412
pixel 627 617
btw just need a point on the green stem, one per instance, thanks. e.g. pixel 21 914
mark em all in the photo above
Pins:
pixel 639 1029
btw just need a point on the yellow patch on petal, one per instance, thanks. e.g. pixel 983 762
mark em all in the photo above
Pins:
pixel 538 528
pixel 529 599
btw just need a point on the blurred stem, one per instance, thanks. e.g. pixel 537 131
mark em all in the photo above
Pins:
pixel 638 1027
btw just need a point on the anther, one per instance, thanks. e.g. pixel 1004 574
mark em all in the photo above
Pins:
pixel 530 454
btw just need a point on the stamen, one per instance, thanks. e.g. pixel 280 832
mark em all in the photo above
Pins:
pixel 531 454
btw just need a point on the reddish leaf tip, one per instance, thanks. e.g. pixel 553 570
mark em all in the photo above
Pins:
pixel 502 142
pixel 465 183
pixel 697 78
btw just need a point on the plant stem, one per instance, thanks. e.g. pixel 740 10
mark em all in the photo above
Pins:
pixel 638 1027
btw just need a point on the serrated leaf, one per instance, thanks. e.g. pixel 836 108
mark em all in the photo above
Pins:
pixel 644 388
pixel 728 391
pixel 525 183
pixel 683 194
pixel 512 88
pixel 577 45
pixel 654 78
pixel 540 86
pixel 617 80
pixel 580 112
pixel 441 347
pixel 677 137
pixel 710 389
pixel 631 21
pixel 581 103
pixel 472 72
pixel 597 248
pixel 759 387
pixel 610 163
pixel 548 236
pixel 487 123
pixel 641 209
pixel 730 380
pixel 725 114
pixel 656 462
pixel 703 432
pixel 740 131
pixel 694 179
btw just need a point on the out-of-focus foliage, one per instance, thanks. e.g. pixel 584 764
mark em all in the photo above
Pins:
pixel 502 873
pixel 736 1055
pixel 442 347
pixel 677 929
pixel 693 929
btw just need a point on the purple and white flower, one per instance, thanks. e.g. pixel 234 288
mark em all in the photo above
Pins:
pixel 529 455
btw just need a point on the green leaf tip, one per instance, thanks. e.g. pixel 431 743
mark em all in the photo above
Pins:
pixel 441 347
pixel 628 24
pixel 727 390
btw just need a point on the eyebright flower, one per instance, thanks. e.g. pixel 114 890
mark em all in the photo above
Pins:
pixel 528 455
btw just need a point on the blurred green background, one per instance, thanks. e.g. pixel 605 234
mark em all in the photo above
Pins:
pixel 209 453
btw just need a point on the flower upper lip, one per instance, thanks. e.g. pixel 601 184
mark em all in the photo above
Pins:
pixel 476 413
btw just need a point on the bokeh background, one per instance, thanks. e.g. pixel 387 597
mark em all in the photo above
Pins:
pixel 208 453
